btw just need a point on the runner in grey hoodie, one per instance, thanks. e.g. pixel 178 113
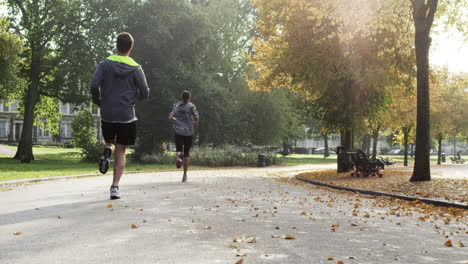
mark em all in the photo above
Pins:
pixel 116 86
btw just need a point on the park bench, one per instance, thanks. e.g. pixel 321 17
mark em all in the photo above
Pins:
pixel 457 160
pixel 365 166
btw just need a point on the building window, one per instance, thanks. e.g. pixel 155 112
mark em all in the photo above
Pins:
pixel 63 108
pixel 5 107
pixel 43 133
pixel 14 106
pixel 65 130
pixel 3 128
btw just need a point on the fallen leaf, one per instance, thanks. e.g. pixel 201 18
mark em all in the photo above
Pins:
pixel 109 206
pixel 233 246
pixel 240 255
pixel 207 227
pixel 460 244
pixel 289 237
pixel 17 233
pixel 59 217
pixel 277 227
pixel 240 261
pixel 252 240
pixel 340 262
pixel 135 226
pixel 366 215
pixel 330 258
pixel 448 243
pixel 303 213
pixel 351 257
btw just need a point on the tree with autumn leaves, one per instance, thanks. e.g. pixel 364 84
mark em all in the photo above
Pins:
pixel 355 62
pixel 343 56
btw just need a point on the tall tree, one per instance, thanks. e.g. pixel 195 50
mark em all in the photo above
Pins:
pixel 423 16
pixel 337 53
pixel 10 62
pixel 63 39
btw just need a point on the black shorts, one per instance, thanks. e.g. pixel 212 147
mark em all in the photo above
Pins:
pixel 120 133
pixel 183 144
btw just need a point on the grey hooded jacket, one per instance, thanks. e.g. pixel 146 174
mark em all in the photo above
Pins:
pixel 116 85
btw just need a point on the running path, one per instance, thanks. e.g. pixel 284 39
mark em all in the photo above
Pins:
pixel 69 221
pixel 6 151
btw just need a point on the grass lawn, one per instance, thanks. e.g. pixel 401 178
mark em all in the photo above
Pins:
pixel 56 161
pixel 433 158
pixel 298 159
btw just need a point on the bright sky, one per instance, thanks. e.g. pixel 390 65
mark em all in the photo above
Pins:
pixel 448 49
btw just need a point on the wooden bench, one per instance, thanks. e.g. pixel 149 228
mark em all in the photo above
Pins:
pixel 457 160
pixel 365 166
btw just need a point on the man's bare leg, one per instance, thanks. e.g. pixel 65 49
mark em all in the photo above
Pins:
pixel 110 145
pixel 119 163
pixel 186 165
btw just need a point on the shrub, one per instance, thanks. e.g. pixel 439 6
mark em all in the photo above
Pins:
pixel 91 151
pixel 214 157
pixel 84 136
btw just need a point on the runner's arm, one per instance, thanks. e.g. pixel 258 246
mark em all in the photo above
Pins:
pixel 196 116
pixel 171 116
pixel 142 85
pixel 96 84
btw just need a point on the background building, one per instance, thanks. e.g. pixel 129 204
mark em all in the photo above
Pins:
pixel 11 125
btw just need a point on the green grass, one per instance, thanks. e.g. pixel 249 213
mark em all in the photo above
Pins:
pixel 55 161
pixel 433 158
pixel 299 159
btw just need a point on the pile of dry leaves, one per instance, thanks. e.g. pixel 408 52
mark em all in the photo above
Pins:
pixel 396 181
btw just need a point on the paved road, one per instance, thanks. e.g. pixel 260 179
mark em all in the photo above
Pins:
pixel 68 221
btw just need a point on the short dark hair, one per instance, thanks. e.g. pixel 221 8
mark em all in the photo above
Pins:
pixel 185 96
pixel 124 42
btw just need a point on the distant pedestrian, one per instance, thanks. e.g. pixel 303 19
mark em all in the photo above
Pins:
pixel 186 118
pixel 116 85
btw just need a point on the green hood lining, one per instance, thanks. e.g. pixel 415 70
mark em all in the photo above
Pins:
pixel 123 59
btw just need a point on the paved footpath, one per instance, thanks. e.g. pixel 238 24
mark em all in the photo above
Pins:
pixel 70 221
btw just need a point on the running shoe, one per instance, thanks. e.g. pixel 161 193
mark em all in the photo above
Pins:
pixel 114 193
pixel 180 158
pixel 104 160
pixel 184 178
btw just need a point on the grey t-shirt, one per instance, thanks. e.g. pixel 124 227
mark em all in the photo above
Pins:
pixel 184 113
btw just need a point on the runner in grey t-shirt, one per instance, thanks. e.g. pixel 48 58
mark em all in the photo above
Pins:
pixel 185 117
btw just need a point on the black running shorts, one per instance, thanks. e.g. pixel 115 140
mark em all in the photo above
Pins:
pixel 183 144
pixel 120 133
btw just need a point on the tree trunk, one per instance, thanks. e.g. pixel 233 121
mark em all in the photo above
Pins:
pixel 423 15
pixel 325 142
pixel 405 145
pixel 412 151
pixel 365 142
pixel 344 159
pixel 375 140
pixel 439 152
pixel 24 152
pixel 454 148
